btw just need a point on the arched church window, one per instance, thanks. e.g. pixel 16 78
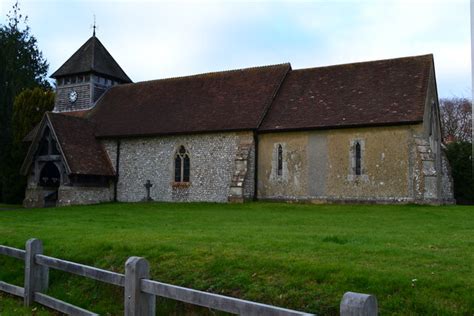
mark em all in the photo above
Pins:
pixel 182 165
pixel 280 161
pixel 358 157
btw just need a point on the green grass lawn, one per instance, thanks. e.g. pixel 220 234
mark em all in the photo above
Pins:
pixel 297 256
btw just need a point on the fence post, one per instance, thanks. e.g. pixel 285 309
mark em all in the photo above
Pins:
pixel 137 303
pixel 357 304
pixel 36 276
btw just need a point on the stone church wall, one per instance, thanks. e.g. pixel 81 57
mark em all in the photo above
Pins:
pixel 249 182
pixel 67 195
pixel 319 165
pixel 212 159
pixel 34 197
pixel 293 181
pixel 74 195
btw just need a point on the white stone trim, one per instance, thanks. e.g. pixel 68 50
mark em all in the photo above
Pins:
pixel 352 161
pixel 284 171
pixel 176 154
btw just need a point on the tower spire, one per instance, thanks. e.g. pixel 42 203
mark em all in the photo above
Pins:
pixel 94 27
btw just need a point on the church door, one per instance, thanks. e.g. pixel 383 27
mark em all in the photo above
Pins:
pixel 50 178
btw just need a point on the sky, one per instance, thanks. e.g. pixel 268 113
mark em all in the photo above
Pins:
pixel 158 39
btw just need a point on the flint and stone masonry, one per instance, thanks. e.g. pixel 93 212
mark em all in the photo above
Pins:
pixel 318 166
pixel 212 160
pixel 68 195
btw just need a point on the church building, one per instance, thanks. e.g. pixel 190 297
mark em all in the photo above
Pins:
pixel 365 132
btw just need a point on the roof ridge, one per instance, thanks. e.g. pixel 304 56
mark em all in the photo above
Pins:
pixel 65 114
pixel 366 62
pixel 93 53
pixel 203 74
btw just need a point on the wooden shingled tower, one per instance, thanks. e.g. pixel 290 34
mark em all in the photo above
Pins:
pixel 85 76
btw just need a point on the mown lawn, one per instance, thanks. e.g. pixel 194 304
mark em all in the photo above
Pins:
pixel 415 259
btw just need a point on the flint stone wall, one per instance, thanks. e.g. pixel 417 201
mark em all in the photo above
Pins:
pixel 74 195
pixel 68 195
pixel 212 160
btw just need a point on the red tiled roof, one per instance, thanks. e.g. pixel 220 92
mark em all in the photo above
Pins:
pixel 221 101
pixel 31 134
pixel 79 113
pixel 380 92
pixel 83 152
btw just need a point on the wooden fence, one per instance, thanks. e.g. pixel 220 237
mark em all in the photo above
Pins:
pixel 140 292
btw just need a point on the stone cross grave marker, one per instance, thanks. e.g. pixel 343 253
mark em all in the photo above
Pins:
pixel 148 186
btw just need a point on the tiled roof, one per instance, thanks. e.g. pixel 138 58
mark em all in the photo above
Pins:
pixel 92 57
pixel 221 101
pixel 79 113
pixel 83 152
pixel 380 92
pixel 31 135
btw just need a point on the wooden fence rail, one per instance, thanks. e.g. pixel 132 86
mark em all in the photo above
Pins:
pixel 82 270
pixel 140 292
pixel 12 252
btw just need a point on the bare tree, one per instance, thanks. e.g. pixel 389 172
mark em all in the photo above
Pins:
pixel 456 119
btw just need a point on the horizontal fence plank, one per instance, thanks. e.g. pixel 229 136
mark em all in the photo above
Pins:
pixel 61 306
pixel 12 289
pixel 186 295
pixel 12 252
pixel 214 301
pixel 82 270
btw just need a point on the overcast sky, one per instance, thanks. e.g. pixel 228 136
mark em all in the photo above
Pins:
pixel 153 39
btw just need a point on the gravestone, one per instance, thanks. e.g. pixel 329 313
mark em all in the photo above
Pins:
pixel 148 186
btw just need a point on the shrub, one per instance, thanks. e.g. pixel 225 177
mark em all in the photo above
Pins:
pixel 460 158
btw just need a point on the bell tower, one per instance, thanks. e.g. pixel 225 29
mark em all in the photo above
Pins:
pixel 85 76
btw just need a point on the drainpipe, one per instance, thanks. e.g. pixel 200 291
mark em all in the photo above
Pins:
pixel 255 177
pixel 117 168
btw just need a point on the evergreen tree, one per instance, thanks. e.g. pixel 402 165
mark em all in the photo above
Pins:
pixel 28 110
pixel 460 158
pixel 21 66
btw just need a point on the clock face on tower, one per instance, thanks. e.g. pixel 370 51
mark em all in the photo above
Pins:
pixel 72 96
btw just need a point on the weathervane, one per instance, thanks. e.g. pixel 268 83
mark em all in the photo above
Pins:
pixel 94 27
